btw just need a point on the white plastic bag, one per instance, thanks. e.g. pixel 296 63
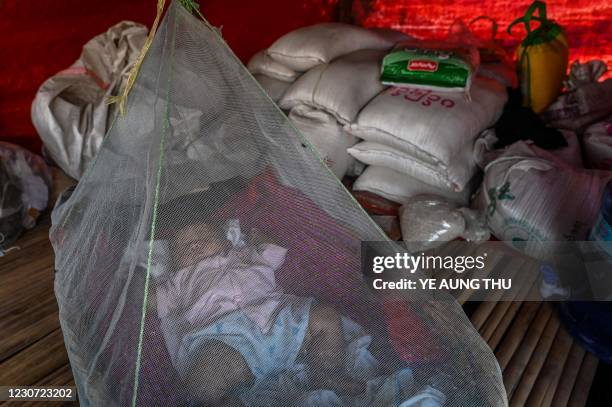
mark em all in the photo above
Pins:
pixel 437 130
pixel 326 136
pixel 70 112
pixel 341 88
pixel 310 46
pixel 400 188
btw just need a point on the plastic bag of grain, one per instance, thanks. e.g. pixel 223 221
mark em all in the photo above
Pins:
pixel 400 188
pixel 530 196
pixel 262 64
pixel 327 137
pixel 597 145
pixel 429 221
pixel 340 88
pixel 317 44
pixel 436 130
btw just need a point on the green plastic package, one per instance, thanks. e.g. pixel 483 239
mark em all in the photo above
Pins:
pixel 430 65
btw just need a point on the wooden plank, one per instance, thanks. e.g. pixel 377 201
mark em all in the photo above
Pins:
pixel 22 272
pixel 491 269
pixel 34 362
pixel 17 297
pixel 479 317
pixel 580 392
pixel 491 324
pixel 498 316
pixel 60 377
pixel 21 258
pixel 546 385
pixel 569 376
pixel 507 319
pixel 533 368
pixel 520 358
pixel 516 333
pixel 26 328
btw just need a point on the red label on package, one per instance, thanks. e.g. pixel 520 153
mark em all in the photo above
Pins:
pixel 422 65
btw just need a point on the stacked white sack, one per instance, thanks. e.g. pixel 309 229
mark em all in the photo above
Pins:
pixel 262 64
pixel 326 136
pixel 341 88
pixel 400 188
pixel 431 134
pixel 273 87
pixel 310 46
pixel 274 77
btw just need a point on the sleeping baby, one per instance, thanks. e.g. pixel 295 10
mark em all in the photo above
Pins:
pixel 237 326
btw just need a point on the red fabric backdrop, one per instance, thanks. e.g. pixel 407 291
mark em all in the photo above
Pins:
pixel 40 38
pixel 587 22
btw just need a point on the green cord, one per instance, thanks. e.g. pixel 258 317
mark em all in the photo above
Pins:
pixel 152 235
pixel 191 6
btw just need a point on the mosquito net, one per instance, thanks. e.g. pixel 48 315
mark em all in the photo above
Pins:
pixel 208 257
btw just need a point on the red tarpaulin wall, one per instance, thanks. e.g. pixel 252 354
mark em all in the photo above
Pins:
pixel 587 22
pixel 38 39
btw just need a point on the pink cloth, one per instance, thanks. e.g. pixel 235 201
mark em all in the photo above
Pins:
pixel 219 285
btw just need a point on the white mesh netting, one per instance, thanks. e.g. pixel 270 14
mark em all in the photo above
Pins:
pixel 208 257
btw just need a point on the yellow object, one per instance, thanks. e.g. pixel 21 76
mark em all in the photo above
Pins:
pixel 542 59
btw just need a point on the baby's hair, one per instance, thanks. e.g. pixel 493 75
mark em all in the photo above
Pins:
pixel 197 207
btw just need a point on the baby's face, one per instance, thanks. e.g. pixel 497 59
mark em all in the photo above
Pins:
pixel 197 241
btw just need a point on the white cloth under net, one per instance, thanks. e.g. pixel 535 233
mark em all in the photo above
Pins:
pixel 208 257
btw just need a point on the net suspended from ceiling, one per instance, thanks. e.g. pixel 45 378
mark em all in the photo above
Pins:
pixel 208 257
